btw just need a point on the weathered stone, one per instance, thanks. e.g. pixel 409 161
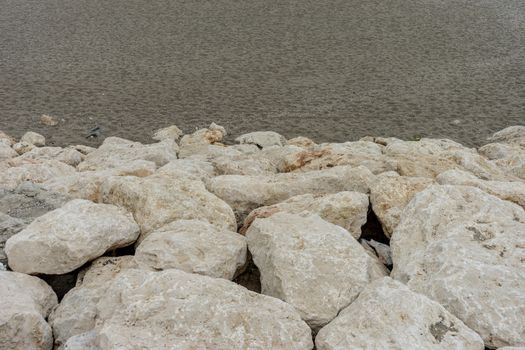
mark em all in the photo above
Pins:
pixel 116 152
pixel 65 155
pixel 301 141
pixel 87 184
pixel 84 341
pixel 6 139
pixel 207 152
pixel 509 157
pixel 6 152
pixel 262 139
pixel 381 250
pixel 168 133
pixel 66 238
pixel 20 170
pixel 193 246
pixel 23 147
pixel 188 168
pixel 25 303
pixel 511 135
pixel 83 149
pixel 173 309
pixel 464 248
pixel 9 226
pixel 316 266
pixel 390 193
pixel 160 199
pixel 245 193
pixel 346 209
pixel 388 315
pixel 213 134
pixel 509 191
pixel 34 139
pixel 48 120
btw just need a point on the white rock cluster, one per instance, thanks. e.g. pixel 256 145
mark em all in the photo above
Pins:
pixel 269 243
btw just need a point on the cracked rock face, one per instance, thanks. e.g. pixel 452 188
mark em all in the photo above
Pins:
pixel 245 193
pixel 388 315
pixel 464 249
pixel 160 199
pixel 25 303
pixel 177 310
pixel 346 209
pixel 66 238
pixel 316 266
pixel 193 246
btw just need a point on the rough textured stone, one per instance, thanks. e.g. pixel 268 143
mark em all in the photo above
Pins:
pixel 160 199
pixel 25 303
pixel 464 249
pixel 87 184
pixel 194 246
pixel 116 152
pixel 262 139
pixel 381 250
pixel 390 193
pixel 188 168
pixel 510 191
pixel 388 315
pixel 511 135
pixel 65 155
pixel 213 134
pixel 9 226
pixel 31 170
pixel 207 152
pixel 245 193
pixel 317 267
pixel 509 157
pixel 176 310
pixel 34 139
pixel 301 141
pixel 346 209
pixel 66 238
pixel 6 152
pixel 168 133
pixel 243 165
pixel 48 120
pixel 6 139
pixel 23 147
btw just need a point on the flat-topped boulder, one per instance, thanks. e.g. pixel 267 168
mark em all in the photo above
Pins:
pixel 193 246
pixel 388 315
pixel 464 249
pixel 262 139
pixel 66 238
pixel 316 266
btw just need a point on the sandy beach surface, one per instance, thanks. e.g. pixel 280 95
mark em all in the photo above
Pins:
pixel 331 70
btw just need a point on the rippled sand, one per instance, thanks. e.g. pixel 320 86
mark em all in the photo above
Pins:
pixel 331 70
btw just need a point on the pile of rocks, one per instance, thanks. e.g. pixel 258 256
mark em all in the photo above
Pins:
pixel 270 243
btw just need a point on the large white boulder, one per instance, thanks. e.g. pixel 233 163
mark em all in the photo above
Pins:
pixel 69 156
pixel 509 157
pixel 245 193
pixel 316 266
pixel 346 209
pixel 390 193
pixel 36 171
pixel 464 249
pixel 116 152
pixel 388 315
pixel 262 139
pixel 34 139
pixel 168 133
pixel 6 152
pixel 512 135
pixel 213 134
pixel 193 246
pixel 25 303
pixel 188 168
pixel 172 309
pixel 160 199
pixel 66 238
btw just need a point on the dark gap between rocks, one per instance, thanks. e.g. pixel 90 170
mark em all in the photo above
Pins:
pixel 250 278
pixel 61 284
pixel 372 229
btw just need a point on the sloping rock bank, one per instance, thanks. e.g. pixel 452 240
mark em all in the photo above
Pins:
pixel 378 243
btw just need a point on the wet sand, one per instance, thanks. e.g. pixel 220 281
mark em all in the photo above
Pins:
pixel 331 70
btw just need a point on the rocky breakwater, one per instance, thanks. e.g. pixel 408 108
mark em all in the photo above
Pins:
pixel 187 243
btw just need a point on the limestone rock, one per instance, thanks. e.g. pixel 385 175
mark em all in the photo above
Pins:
pixel 243 165
pixel 25 303
pixel 464 249
pixel 65 155
pixel 381 250
pixel 83 149
pixel 169 133
pixel 317 267
pixel 213 134
pixel 346 209
pixel 301 141
pixel 160 199
pixel 23 147
pixel 193 246
pixel 9 226
pixel 34 171
pixel 87 184
pixel 390 193
pixel 510 191
pixel 66 238
pixel 388 315
pixel 48 120
pixel 245 193
pixel 176 310
pixel 188 168
pixel 6 139
pixel 207 152
pixel 116 152
pixel 34 139
pixel 6 152
pixel 509 157
pixel 511 135
pixel 262 139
